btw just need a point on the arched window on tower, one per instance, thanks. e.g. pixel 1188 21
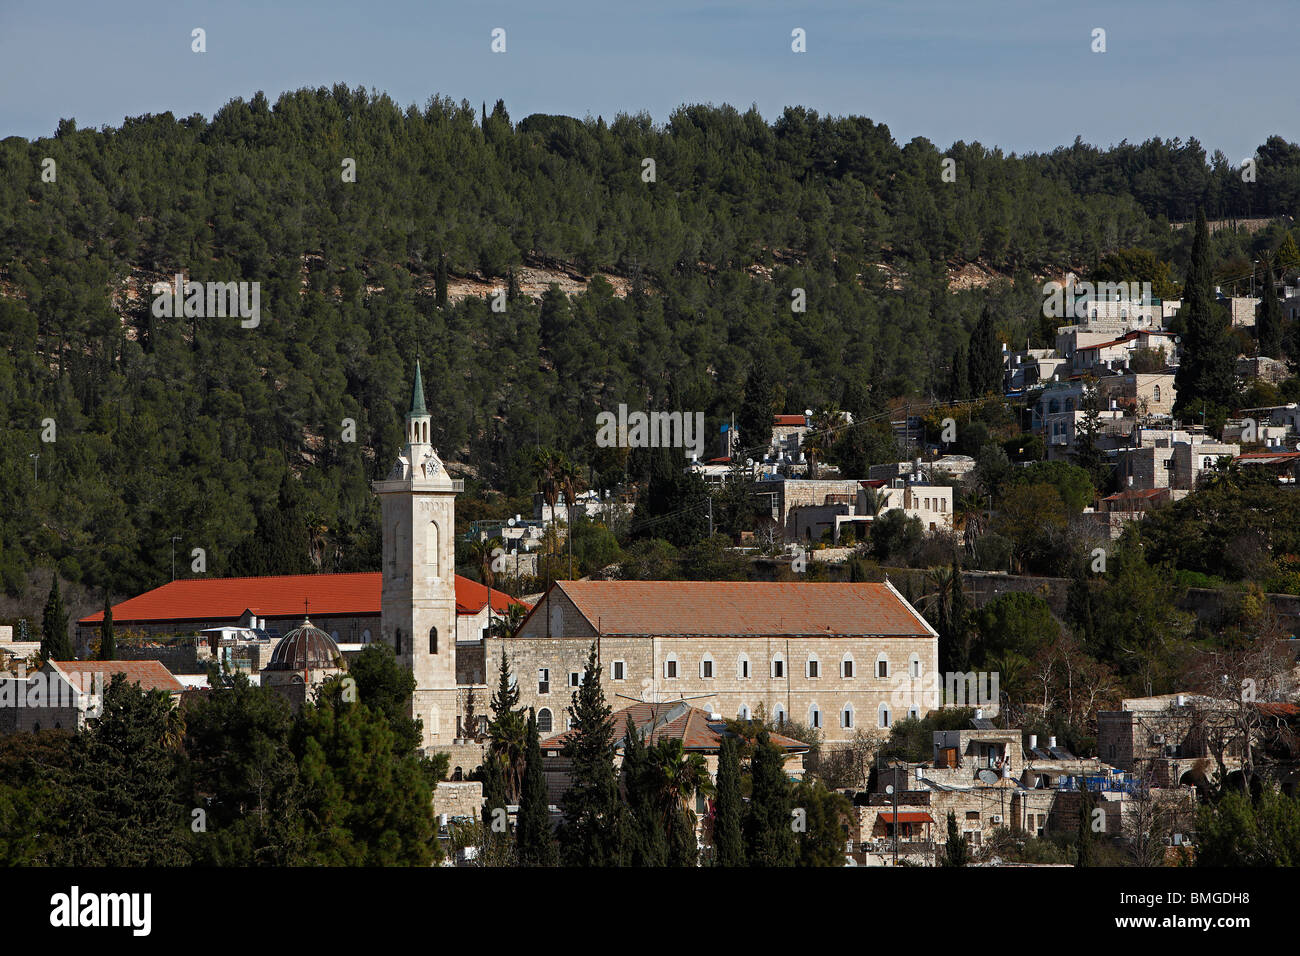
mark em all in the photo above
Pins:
pixel 397 641
pixel 433 640
pixel 433 547
pixel 544 722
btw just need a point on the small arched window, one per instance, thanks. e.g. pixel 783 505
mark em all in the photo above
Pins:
pixel 815 717
pixel 914 666
pixel 885 717
pixel 433 722
pixel 778 666
pixel 670 667
pixel 742 667
pixel 433 640
pixel 779 715
pixel 846 667
pixel 544 721
pixel 846 716
pixel 744 712
pixel 813 668
pixel 1157 393
pixel 365 636
pixel 706 667
pixel 882 666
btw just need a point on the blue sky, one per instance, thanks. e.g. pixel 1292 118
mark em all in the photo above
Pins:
pixel 1018 74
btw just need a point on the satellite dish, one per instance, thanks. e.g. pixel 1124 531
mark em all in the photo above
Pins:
pixel 988 776
pixel 511 522
pixel 889 788
pixel 808 412
pixel 749 462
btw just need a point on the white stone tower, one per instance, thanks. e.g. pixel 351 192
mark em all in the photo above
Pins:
pixel 418 617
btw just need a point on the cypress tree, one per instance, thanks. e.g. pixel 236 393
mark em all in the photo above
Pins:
pixel 647 842
pixel 55 645
pixel 107 643
pixel 959 375
pixel 592 832
pixel 1268 316
pixel 1087 841
pixel 1206 374
pixel 508 731
pixel 497 830
pixel 536 843
pixel 769 836
pixel 728 842
pixel 984 357
pixel 957 854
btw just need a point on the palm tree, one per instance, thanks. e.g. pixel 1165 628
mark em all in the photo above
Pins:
pixel 547 464
pixel 571 483
pixel 936 603
pixel 679 777
pixel 969 518
pixel 820 439
pixel 485 551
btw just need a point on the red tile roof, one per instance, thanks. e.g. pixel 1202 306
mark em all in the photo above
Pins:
pixel 225 599
pixel 150 675
pixel 674 720
pixel 778 420
pixel 721 608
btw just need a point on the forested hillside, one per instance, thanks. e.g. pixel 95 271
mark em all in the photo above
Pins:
pixel 197 428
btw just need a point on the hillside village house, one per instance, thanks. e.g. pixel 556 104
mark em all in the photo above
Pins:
pixel 63 694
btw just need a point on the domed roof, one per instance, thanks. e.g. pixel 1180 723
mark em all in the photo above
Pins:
pixel 306 647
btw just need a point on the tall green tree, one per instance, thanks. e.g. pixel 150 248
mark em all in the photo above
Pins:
pixel 1268 314
pixel 955 850
pixel 535 840
pixel 55 644
pixel 107 642
pixel 728 839
pixel 592 833
pixel 1206 376
pixel 984 357
pixel 509 731
pixel 647 843
pixel 769 831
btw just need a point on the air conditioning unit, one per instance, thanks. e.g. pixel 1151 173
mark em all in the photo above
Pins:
pixel 1178 839
pixel 1157 738
pixel 997 818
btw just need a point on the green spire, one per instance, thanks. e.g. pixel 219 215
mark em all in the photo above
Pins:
pixel 417 393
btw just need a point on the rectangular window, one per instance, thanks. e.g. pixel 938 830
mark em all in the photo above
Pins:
pixel 620 670
pixel 973 815
pixel 882 668
pixel 574 678
pixel 848 668
pixel 670 668
pixel 543 680
pixel 848 719
pixel 814 669
pixel 816 718
pixel 744 670
pixel 778 668
pixel 706 668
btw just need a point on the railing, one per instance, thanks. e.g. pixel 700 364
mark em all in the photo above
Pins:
pixel 1099 784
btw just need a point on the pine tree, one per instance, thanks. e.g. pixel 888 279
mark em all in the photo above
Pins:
pixel 1206 377
pixel 1288 255
pixel 728 841
pixel 536 842
pixel 55 645
pixel 1268 315
pixel 592 832
pixel 647 842
pixel 984 357
pixel 956 853
pixel 764 398
pixel 769 835
pixel 107 643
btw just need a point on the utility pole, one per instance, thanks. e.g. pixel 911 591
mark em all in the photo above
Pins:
pixel 36 466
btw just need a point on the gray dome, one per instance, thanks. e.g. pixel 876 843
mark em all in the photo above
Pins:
pixel 306 647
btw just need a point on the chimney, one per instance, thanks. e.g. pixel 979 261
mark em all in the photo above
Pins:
pixel 1033 741
pixel 1051 743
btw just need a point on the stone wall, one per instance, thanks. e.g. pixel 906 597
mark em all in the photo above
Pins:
pixel 458 799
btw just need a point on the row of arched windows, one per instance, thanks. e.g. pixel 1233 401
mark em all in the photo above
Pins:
pixel 847 716
pixel 812 667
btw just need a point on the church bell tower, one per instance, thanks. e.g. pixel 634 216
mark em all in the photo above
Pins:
pixel 418 616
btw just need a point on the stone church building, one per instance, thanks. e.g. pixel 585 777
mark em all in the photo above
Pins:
pixel 837 656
